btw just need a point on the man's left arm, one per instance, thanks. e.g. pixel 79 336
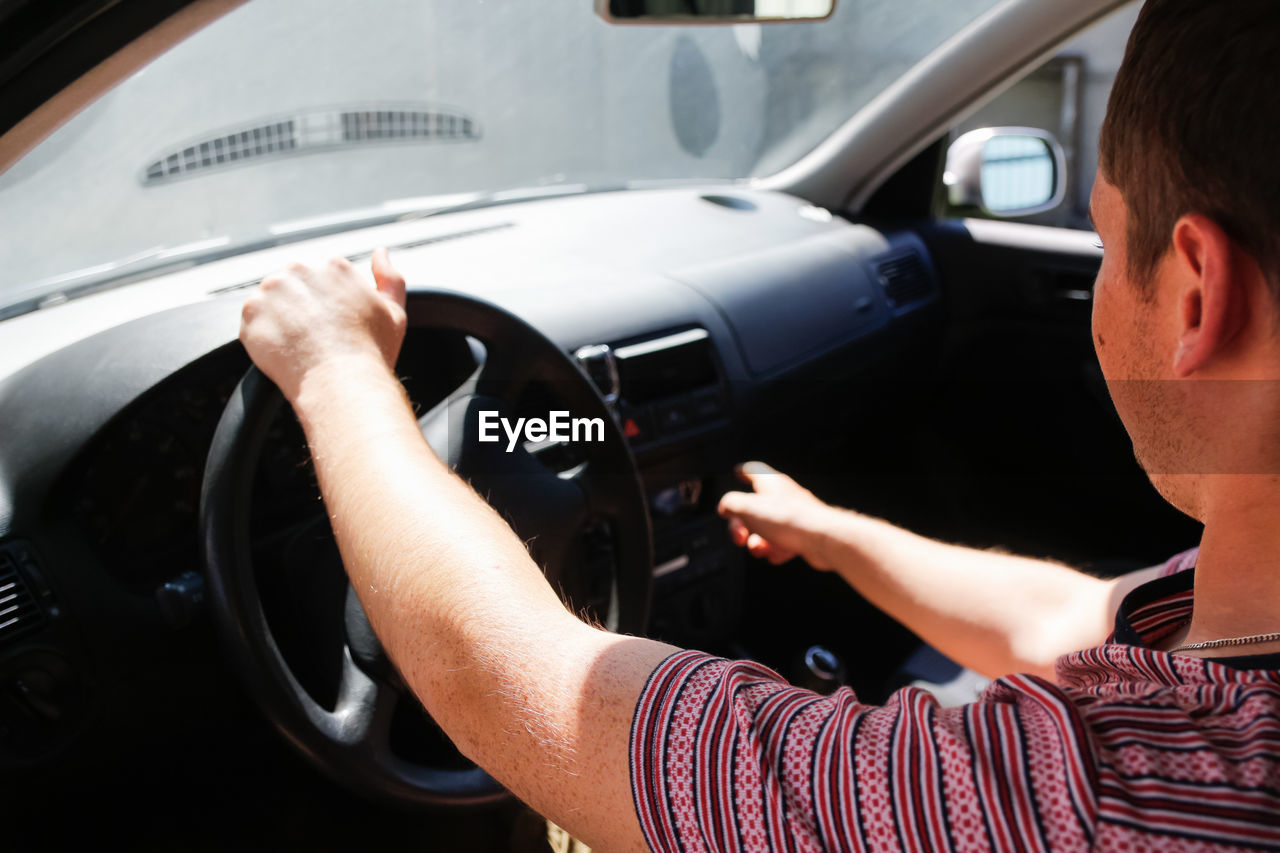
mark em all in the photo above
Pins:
pixel 532 694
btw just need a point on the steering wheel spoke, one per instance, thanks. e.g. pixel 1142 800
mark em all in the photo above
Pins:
pixel 500 376
pixel 361 719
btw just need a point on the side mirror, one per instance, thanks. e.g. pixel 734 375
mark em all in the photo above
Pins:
pixel 712 11
pixel 1006 171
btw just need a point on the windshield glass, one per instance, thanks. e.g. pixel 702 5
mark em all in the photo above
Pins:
pixel 285 118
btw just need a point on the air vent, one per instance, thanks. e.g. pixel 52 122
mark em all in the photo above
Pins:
pixel 19 610
pixel 321 130
pixel 905 278
pixel 251 144
pixel 406 124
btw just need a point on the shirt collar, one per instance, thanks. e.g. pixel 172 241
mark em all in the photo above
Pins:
pixel 1154 610
pixel 1159 607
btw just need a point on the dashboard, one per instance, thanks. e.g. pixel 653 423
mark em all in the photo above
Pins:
pixel 720 309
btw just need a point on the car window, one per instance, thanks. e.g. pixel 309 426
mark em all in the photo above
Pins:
pixel 286 116
pixel 1066 96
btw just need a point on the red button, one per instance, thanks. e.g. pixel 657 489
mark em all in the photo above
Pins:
pixel 630 428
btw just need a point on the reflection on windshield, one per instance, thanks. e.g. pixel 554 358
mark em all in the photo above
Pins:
pixel 286 112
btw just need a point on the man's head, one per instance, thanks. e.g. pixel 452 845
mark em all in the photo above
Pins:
pixel 1188 204
pixel 1193 126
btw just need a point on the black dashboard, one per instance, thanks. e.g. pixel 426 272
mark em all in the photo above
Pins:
pixel 722 310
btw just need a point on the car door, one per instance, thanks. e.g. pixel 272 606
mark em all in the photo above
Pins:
pixel 1026 448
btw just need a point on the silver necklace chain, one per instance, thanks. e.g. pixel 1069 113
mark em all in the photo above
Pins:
pixel 1230 641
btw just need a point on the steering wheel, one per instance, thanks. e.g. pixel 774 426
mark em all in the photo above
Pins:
pixel 589 527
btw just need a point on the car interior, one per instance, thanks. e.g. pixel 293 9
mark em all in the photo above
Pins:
pixel 179 646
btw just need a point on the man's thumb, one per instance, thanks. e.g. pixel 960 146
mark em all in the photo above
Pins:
pixel 390 283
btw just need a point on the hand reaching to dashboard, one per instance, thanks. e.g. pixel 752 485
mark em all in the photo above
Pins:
pixel 778 520
pixel 307 318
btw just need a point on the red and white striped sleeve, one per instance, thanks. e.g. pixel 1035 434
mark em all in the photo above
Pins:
pixel 727 756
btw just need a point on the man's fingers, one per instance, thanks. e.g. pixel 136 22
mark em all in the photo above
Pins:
pixel 777 556
pixel 757 474
pixel 736 504
pixel 747 471
pixel 742 511
pixel 754 509
pixel 754 469
pixel 747 513
pixel 390 283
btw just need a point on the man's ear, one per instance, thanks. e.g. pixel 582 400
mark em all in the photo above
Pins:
pixel 1212 292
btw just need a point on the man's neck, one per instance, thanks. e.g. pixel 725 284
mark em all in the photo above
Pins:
pixel 1237 586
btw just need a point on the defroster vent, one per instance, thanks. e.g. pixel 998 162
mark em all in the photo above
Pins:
pixel 906 278
pixel 311 131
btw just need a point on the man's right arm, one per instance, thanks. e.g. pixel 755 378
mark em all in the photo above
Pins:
pixel 994 613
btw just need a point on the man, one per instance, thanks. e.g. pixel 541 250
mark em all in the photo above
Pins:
pixel 1161 736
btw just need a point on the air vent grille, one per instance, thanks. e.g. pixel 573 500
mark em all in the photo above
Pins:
pixel 248 144
pixel 319 130
pixel 406 124
pixel 905 278
pixel 19 610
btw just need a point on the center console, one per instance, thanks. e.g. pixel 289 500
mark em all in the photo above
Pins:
pixel 675 407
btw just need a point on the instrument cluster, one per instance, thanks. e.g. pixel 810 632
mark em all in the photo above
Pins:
pixel 136 492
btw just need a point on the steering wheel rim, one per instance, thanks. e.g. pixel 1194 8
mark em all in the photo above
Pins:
pixel 351 742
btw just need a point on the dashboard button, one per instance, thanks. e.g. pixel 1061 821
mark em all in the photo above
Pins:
pixel 708 405
pixel 673 417
pixel 637 424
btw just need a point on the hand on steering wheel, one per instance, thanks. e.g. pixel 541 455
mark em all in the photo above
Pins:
pixel 589 524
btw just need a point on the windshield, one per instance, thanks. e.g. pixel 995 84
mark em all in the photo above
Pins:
pixel 286 118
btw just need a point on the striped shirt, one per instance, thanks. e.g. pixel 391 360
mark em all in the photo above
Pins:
pixel 1133 749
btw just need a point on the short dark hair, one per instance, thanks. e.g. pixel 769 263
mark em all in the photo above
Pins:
pixel 1193 126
